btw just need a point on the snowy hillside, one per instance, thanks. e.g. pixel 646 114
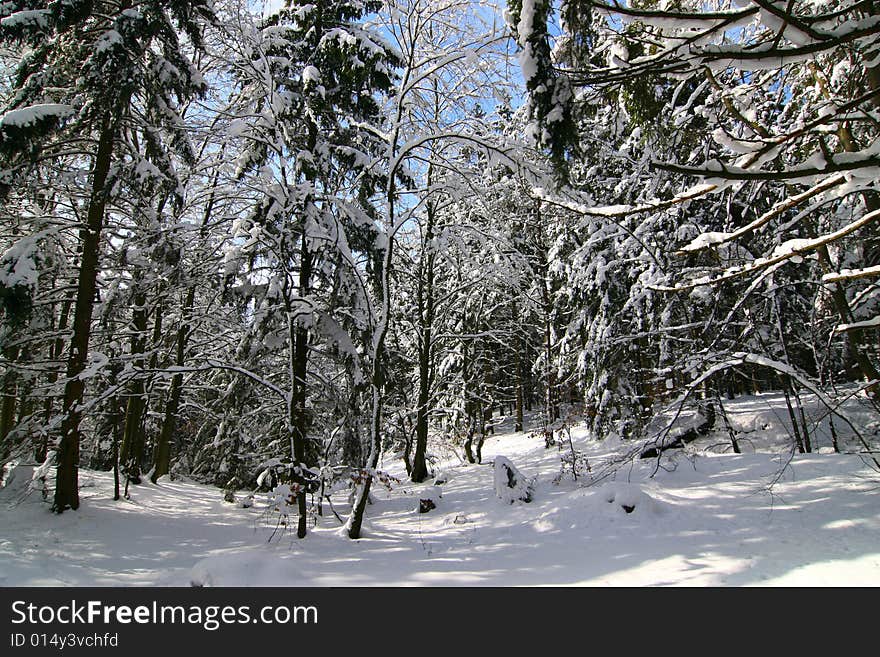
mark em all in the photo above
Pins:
pixel 704 519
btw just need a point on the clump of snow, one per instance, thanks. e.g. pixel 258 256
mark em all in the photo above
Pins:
pixel 790 247
pixel 26 18
pixel 704 240
pixel 237 128
pixel 526 23
pixel 510 484
pixel 110 39
pixel 27 116
pixel 282 500
pixel 311 74
pixel 872 323
pixel 97 362
pixel 429 499
pixel 18 481
pixel 527 62
pixel 628 498
pixel 17 266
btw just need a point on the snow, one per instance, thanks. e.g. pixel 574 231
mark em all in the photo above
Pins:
pixel 708 517
pixel 27 116
pixel 526 22
pixel 510 484
pixel 108 40
pixel 26 18
pixel 872 323
pixel 739 146
pixel 311 74
pixel 704 240
pixel 17 266
pixel 845 274
pixel 97 363
pixel 527 63
pixel 791 246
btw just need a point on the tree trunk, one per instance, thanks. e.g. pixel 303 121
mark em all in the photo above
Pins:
pixel 355 523
pixel 360 508
pixel 419 462
pixel 162 451
pixel 855 339
pixel 7 408
pixel 520 420
pixel 426 313
pixel 56 348
pixel 67 475
pixel 299 355
pixel 552 410
pixel 132 451
pixel 24 388
pixel 377 378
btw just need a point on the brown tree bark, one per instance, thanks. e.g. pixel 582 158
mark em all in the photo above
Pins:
pixel 67 475
pixel 132 450
pixel 7 407
pixel 425 301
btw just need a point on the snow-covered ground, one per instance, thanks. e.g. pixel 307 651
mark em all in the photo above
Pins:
pixel 703 519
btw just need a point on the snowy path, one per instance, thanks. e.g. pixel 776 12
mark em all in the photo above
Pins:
pixel 707 523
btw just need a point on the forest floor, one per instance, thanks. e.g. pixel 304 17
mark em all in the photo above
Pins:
pixel 699 517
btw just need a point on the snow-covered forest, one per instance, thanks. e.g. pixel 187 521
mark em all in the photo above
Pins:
pixel 422 269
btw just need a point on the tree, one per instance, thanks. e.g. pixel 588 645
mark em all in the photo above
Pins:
pixel 61 100
pixel 772 140
pixel 435 41
pixel 309 77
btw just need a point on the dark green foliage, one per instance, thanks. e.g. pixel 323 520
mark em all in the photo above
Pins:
pixel 550 94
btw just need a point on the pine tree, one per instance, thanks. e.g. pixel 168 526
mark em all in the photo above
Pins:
pixel 316 133
pixel 85 67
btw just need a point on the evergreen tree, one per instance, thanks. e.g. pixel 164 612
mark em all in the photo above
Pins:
pixel 85 67
pixel 311 76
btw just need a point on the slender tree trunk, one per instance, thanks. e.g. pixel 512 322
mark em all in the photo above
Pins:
pixel 425 352
pixel 115 465
pixel 730 431
pixel 132 451
pixel 55 351
pixel 550 378
pixel 787 389
pixel 383 290
pixel 469 403
pixel 469 438
pixel 855 339
pixel 377 378
pixel 520 384
pixel 7 408
pixel 419 462
pixel 478 453
pixel 24 387
pixel 162 452
pixel 299 354
pixel 355 523
pixel 67 475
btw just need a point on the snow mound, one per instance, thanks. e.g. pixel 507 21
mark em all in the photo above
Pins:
pixel 405 502
pixel 510 484
pixel 456 519
pixel 18 481
pixel 252 568
pixel 621 498
pixel 432 492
